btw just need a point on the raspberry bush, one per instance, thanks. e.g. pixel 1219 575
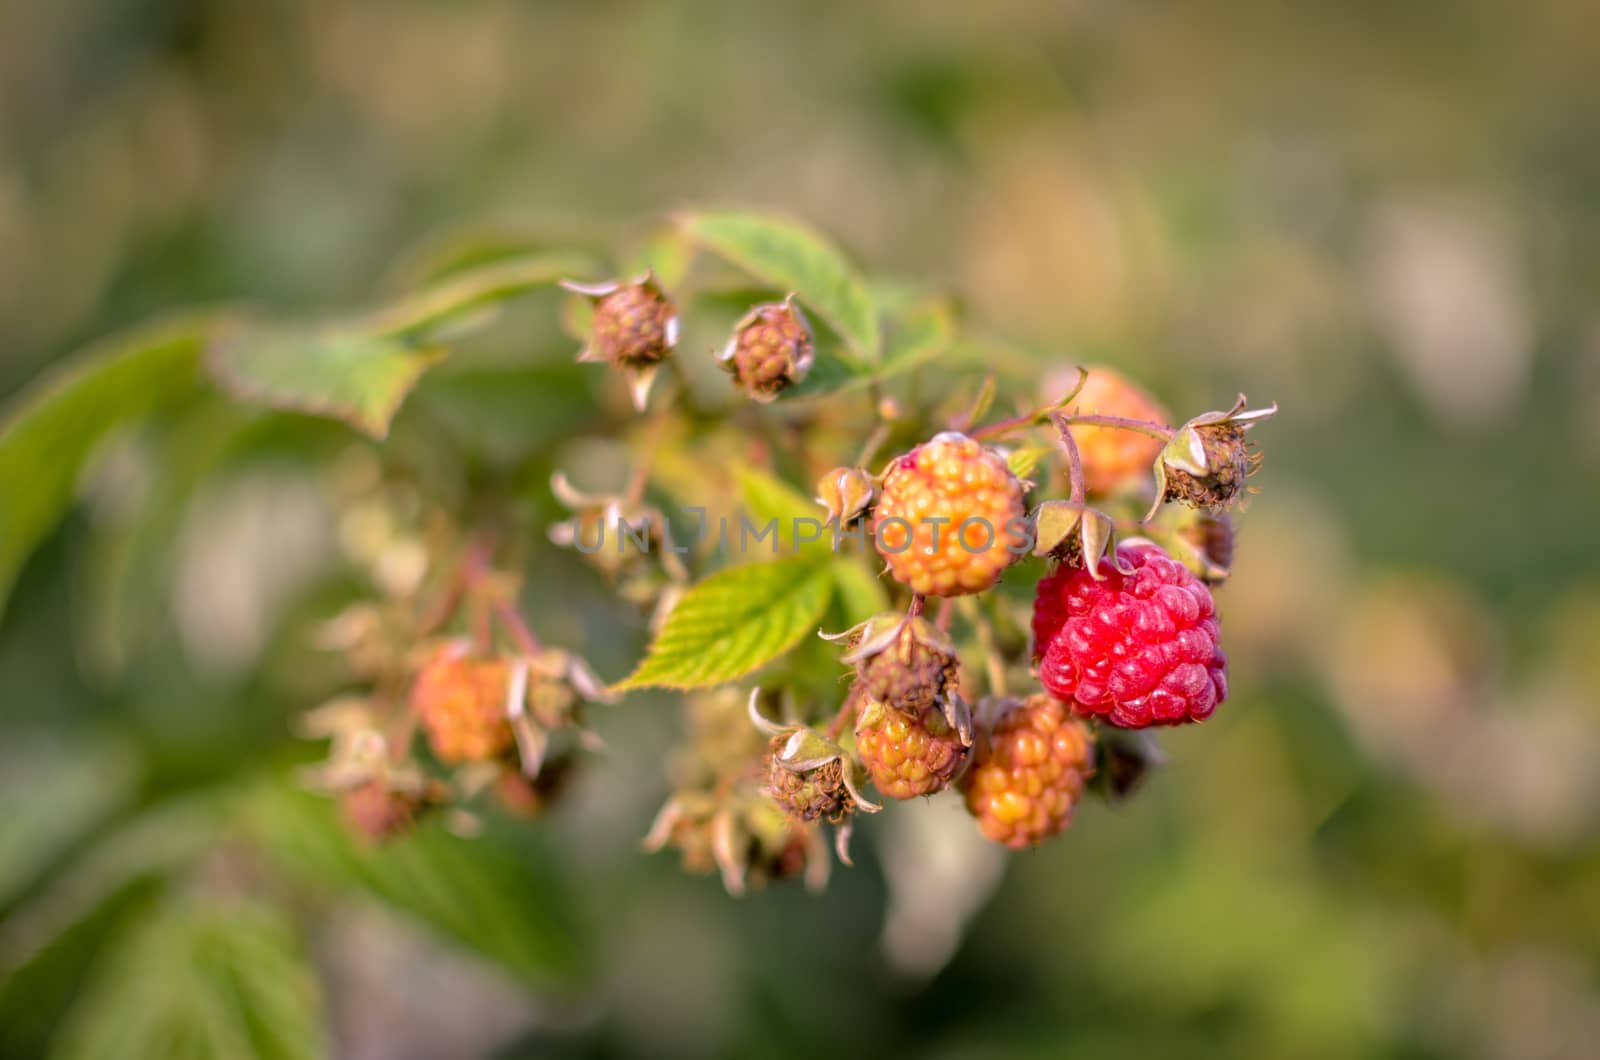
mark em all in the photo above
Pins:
pixel 868 643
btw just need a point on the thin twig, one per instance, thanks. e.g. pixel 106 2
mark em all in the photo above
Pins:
pixel 836 726
pixel 879 435
pixel 527 643
pixel 994 666
pixel 1074 460
pixel 1154 430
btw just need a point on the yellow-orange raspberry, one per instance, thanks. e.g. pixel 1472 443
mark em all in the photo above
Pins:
pixel 950 517
pixel 461 702
pixel 1029 773
pixel 1111 455
pixel 908 754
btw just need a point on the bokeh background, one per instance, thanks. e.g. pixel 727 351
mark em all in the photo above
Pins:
pixel 1384 216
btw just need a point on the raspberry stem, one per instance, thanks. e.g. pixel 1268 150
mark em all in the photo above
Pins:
pixel 836 726
pixel 879 435
pixel 1074 460
pixel 1154 430
pixel 1034 418
pixel 994 666
pixel 527 643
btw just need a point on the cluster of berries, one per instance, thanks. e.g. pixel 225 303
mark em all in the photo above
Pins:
pixel 1125 636
pixel 634 328
pixel 500 715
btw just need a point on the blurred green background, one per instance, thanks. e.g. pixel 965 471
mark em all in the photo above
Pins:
pixel 1383 216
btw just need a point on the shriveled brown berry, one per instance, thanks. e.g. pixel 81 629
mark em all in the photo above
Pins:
pixel 810 794
pixel 634 324
pixel 907 755
pixel 461 702
pixel 770 351
pixel 906 663
pixel 1029 773
pixel 1207 460
pixel 1229 460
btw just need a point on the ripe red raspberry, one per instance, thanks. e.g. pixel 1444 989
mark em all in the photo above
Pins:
pixel 1110 455
pixel 949 520
pixel 461 701
pixel 771 349
pixel 1029 773
pixel 1139 649
pixel 909 754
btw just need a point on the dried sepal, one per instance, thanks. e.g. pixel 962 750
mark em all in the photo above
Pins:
pixel 846 493
pixel 1077 533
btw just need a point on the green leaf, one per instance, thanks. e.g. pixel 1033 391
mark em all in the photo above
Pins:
pixel 923 332
pixel 793 257
pixel 1023 461
pixel 166 837
pixel 470 292
pixel 49 943
pixel 329 371
pixel 48 433
pixel 860 591
pixel 767 498
pixel 55 791
pixel 735 621
pixel 490 893
pixel 205 979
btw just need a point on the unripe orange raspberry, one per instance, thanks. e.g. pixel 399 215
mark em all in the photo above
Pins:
pixel 461 701
pixel 909 754
pixel 950 518
pixel 1029 773
pixel 1111 455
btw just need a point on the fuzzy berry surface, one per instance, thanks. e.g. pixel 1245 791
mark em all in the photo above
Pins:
pixel 633 325
pixel 944 520
pixel 1137 650
pixel 1111 455
pixel 1030 771
pixel 908 755
pixel 461 702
